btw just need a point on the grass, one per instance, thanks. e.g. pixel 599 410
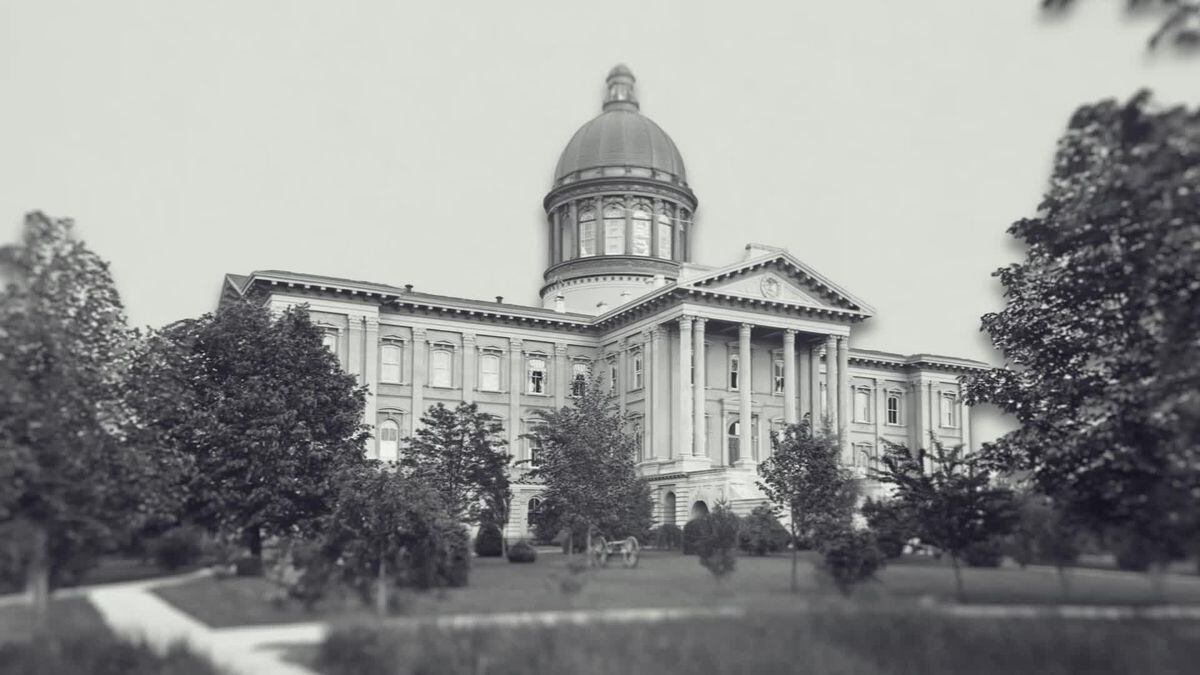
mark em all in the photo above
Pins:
pixel 65 615
pixel 834 639
pixel 667 579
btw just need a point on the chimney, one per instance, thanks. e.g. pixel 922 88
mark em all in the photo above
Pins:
pixel 560 303
pixel 408 288
pixel 499 299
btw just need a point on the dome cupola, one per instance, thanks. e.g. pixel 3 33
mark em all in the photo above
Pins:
pixel 620 211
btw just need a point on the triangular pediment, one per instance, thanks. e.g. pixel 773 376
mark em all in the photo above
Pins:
pixel 778 277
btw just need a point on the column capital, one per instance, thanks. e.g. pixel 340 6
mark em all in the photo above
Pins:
pixel 516 344
pixel 647 335
pixel 468 339
pixel 560 349
pixel 699 321
pixel 745 328
pixel 371 322
pixel 418 334
pixel 789 334
pixel 685 321
pixel 658 332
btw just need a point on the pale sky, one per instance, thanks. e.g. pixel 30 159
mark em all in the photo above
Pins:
pixel 887 143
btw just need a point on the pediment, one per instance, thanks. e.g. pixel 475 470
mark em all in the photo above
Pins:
pixel 769 285
pixel 779 278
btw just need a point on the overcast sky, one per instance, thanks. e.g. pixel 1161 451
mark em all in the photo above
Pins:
pixel 887 143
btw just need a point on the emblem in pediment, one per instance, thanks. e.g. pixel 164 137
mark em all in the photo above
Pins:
pixel 770 287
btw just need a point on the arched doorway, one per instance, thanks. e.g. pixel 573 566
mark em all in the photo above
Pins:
pixel 699 510
pixel 669 509
pixel 531 510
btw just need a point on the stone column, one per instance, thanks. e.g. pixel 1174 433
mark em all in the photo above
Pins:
pixel 470 369
pixel 831 381
pixel 560 383
pixel 789 376
pixel 622 374
pixel 964 420
pixel 649 424
pixel 662 383
pixel 843 385
pixel 371 366
pixel 683 432
pixel 814 384
pixel 420 371
pixel 745 411
pixel 699 426
pixel 516 373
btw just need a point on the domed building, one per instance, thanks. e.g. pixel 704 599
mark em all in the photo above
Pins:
pixel 705 362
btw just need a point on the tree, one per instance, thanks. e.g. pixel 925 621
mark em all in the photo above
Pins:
pixel 1044 534
pixel 1100 327
pixel 804 476
pixel 585 457
pixel 955 504
pixel 892 522
pixel 762 533
pixel 1181 20
pixel 717 547
pixel 459 453
pixel 263 411
pixel 70 481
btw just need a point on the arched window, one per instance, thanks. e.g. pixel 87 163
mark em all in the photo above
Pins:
pixel 669 508
pixel 735 439
pixel 699 510
pixel 389 363
pixel 440 373
pixel 389 441
pixel 893 408
pixel 489 372
pixel 663 227
pixel 531 513
pixel 579 375
pixel 536 376
pixel 614 228
pixel 587 232
pixel 949 410
pixel 641 229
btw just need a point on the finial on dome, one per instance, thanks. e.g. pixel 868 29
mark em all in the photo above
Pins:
pixel 620 94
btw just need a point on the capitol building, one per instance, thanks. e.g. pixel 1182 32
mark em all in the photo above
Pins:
pixel 703 360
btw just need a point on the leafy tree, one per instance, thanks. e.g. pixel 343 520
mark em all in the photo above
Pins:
pixel 893 525
pixel 71 483
pixel 762 533
pixel 805 476
pixel 585 457
pixel 1100 327
pixel 1181 19
pixel 459 453
pixel 263 411
pixel 851 557
pixel 955 504
pixel 1044 534
pixel 388 531
pixel 717 547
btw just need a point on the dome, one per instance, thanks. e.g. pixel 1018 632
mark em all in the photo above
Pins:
pixel 621 137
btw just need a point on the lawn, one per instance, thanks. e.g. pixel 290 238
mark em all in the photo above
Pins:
pixel 668 579
pixel 66 615
pixel 837 639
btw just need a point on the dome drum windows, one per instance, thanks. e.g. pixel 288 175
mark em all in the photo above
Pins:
pixel 614 227
pixel 628 225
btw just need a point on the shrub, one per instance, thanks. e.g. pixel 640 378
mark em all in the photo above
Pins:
pixel 762 532
pixel 986 553
pixel 693 531
pixel 100 653
pixel 176 548
pixel 522 552
pixel 718 543
pixel 892 525
pixel 668 537
pixel 359 649
pixel 489 543
pixel 1133 553
pixel 248 566
pixel 851 557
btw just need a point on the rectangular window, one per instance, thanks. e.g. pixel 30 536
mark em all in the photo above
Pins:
pixel 579 373
pixel 439 369
pixel 893 409
pixel 536 381
pixel 587 239
pixel 734 367
pixel 489 372
pixel 862 405
pixel 389 363
pixel 641 237
pixel 614 236
pixel 329 341
pixel 949 418
pixel 635 365
pixel 612 377
pixel 779 379
pixel 664 240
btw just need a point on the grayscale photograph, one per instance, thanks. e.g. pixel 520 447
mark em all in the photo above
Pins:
pixel 675 337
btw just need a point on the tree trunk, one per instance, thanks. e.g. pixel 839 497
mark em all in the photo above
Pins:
pixel 37 575
pixel 1158 575
pixel 570 544
pixel 588 550
pixel 958 582
pixel 1064 582
pixel 795 557
pixel 381 589
pixel 252 537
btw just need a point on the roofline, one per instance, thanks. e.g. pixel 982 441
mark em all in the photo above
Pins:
pixel 782 254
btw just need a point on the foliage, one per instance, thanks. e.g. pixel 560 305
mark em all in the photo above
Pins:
pixel 99 653
pixel 489 542
pixel 986 553
pixel 73 479
pixel 264 412
pixel 667 536
pixel 460 454
pixel 804 475
pixel 522 552
pixel 762 533
pixel 585 458
pixel 892 524
pixel 387 531
pixel 717 546
pixel 1100 326
pixel 1133 553
pixel 955 505
pixel 177 548
pixel 1044 534
pixel 1180 24
pixel 693 531
pixel 851 557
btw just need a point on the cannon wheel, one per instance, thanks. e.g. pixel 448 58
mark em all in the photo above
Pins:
pixel 630 550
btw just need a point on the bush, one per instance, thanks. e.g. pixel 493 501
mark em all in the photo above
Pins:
pixel 1133 553
pixel 892 525
pixel 359 649
pixel 667 537
pixel 987 553
pixel 851 557
pixel 99 653
pixel 248 566
pixel 693 531
pixel 522 552
pixel 176 548
pixel 718 543
pixel 489 543
pixel 762 533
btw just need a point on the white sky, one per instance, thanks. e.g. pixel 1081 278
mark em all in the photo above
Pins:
pixel 888 143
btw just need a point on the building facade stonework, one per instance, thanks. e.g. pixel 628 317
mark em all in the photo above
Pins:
pixel 705 362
